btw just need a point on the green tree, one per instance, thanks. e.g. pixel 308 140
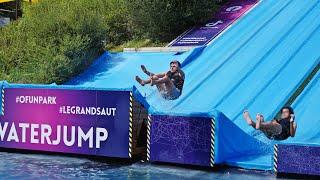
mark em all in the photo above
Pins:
pixel 163 20
pixel 56 40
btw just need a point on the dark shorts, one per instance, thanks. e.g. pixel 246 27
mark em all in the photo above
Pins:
pixel 278 135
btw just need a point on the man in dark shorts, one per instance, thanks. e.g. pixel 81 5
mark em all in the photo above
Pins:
pixel 275 129
pixel 169 84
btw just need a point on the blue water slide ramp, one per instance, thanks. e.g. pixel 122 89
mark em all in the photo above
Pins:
pixel 300 155
pixel 307 111
pixel 257 65
pixel 264 70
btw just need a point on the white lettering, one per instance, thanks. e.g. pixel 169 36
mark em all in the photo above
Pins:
pixel 214 24
pixel 3 130
pixel 57 141
pixel 23 127
pixel 85 137
pixel 36 100
pixel 44 134
pixel 65 136
pixel 233 8
pixel 100 137
pixel 34 133
pixel 13 134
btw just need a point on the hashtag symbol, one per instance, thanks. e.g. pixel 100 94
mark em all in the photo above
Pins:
pixel 17 99
pixel 61 109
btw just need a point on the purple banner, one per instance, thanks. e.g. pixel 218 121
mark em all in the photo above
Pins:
pixel 60 120
pixel 183 140
pixel 201 35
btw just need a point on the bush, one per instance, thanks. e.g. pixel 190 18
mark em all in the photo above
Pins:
pixel 163 20
pixel 118 27
pixel 57 40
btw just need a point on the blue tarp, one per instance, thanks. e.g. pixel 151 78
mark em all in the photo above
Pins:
pixel 256 65
pixel 307 110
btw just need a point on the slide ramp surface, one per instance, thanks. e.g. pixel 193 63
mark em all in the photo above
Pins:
pixel 256 65
pixel 307 110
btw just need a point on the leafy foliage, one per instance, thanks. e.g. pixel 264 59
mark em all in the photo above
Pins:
pixel 56 40
pixel 163 20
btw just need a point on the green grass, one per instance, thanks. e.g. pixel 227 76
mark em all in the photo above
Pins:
pixel 53 42
pixel 136 43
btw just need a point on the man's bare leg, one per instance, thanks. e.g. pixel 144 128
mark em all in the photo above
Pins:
pixel 164 80
pixel 161 87
pixel 163 84
pixel 260 119
pixel 144 69
pixel 148 81
pixel 271 127
pixel 268 128
pixel 142 82
pixel 249 120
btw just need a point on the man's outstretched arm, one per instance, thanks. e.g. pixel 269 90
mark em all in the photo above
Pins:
pixel 181 73
pixel 293 127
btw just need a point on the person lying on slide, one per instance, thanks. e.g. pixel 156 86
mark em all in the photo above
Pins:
pixel 169 84
pixel 275 129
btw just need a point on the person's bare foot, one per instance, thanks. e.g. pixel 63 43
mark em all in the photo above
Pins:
pixel 144 69
pixel 247 117
pixel 140 81
pixel 258 122
pixel 261 118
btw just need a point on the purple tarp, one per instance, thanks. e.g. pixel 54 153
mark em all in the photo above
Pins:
pixel 298 159
pixel 184 140
pixel 201 35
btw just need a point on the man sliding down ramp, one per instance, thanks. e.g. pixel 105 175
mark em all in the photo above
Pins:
pixel 169 84
pixel 275 129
